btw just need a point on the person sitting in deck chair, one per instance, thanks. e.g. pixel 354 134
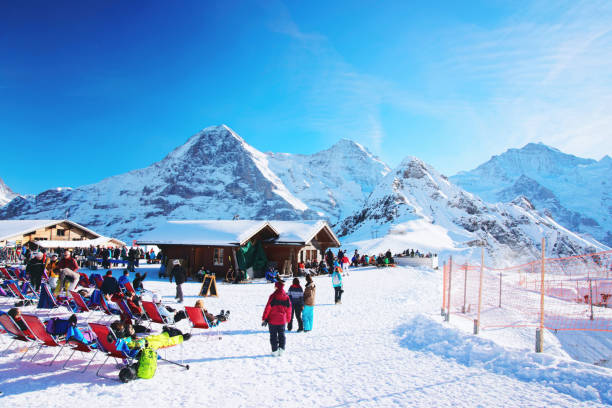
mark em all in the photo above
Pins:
pixel 271 275
pixel 125 278
pixel 110 286
pixel 167 313
pixel 15 314
pixel 212 319
pixel 137 283
pixel 128 344
pixel 68 330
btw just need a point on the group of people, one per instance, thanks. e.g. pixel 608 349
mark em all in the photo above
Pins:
pixel 282 307
pixel 412 253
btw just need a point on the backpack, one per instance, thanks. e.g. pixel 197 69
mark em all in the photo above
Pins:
pixel 57 326
pixel 147 363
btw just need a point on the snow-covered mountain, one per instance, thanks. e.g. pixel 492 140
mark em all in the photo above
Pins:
pixel 215 174
pixel 6 194
pixel 575 191
pixel 414 206
pixel 333 182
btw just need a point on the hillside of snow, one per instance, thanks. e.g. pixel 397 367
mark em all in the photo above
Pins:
pixel 414 206
pixel 384 346
pixel 575 191
pixel 334 182
pixel 6 194
pixel 215 174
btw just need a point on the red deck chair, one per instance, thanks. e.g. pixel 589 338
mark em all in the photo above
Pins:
pixel 9 325
pixel 80 303
pixel 101 331
pixel 98 281
pixel 83 348
pixel 152 313
pixel 18 293
pixel 38 330
pixel 128 286
pixel 198 320
pixel 6 274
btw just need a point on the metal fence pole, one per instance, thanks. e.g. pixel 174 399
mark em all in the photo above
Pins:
pixel 591 296
pixel 500 287
pixel 450 281
pixel 477 321
pixel 540 332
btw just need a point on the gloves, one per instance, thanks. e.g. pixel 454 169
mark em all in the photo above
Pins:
pixel 264 323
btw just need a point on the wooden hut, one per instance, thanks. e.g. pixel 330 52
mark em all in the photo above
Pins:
pixel 215 245
pixel 27 232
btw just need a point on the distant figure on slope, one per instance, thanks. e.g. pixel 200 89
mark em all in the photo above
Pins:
pixel 296 294
pixel 345 265
pixel 337 284
pixel 178 273
pixel 276 314
pixel 309 302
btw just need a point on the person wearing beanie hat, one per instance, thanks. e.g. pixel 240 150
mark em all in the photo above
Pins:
pixel 35 268
pixel 178 273
pixel 276 314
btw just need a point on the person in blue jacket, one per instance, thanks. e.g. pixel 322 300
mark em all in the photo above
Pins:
pixel 337 284
pixel 125 278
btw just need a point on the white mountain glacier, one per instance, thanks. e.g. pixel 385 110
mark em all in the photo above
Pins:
pixel 575 191
pixel 334 182
pixel 414 206
pixel 6 194
pixel 215 174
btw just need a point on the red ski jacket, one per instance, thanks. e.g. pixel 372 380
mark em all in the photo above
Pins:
pixel 278 309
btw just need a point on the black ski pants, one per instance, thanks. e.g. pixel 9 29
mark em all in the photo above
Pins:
pixel 297 312
pixel 277 336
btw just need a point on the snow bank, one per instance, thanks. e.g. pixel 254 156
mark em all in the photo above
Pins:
pixel 579 380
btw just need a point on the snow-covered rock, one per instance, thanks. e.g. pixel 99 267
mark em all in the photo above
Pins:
pixel 575 191
pixel 6 194
pixel 414 206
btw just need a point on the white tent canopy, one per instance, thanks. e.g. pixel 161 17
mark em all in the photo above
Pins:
pixel 85 243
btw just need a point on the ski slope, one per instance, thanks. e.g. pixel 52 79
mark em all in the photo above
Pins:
pixel 385 346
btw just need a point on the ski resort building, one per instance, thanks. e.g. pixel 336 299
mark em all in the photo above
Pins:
pixel 252 246
pixel 51 234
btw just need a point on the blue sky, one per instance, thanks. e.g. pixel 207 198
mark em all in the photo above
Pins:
pixel 96 88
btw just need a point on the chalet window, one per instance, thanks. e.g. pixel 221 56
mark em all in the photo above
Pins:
pixel 218 257
pixel 60 233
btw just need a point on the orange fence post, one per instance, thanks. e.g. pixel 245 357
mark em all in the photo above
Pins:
pixel 444 273
pixel 464 288
pixel 540 331
pixel 450 281
pixel 477 321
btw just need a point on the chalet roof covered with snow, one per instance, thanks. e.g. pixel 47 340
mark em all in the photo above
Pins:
pixel 14 228
pixel 234 232
pixel 84 243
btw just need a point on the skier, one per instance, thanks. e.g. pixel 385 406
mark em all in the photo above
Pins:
pixel 276 314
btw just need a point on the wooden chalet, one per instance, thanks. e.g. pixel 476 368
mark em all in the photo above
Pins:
pixel 213 244
pixel 28 232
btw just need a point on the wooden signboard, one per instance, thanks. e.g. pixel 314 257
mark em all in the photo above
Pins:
pixel 209 286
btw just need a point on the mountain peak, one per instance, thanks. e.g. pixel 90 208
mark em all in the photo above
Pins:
pixel 6 194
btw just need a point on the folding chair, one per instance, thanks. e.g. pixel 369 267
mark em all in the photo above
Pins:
pixel 198 320
pixel 83 348
pixel 152 313
pixel 38 330
pixel 128 287
pixel 9 325
pixel 7 275
pixel 18 293
pixel 102 333
pixel 80 303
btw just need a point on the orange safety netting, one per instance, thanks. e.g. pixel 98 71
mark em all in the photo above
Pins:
pixel 577 293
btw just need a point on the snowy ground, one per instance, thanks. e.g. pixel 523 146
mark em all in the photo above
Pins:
pixel 384 346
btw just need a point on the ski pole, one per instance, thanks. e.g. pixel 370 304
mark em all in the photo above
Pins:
pixel 185 366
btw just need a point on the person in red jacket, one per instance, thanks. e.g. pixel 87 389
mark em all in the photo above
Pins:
pixel 276 314
pixel 68 275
